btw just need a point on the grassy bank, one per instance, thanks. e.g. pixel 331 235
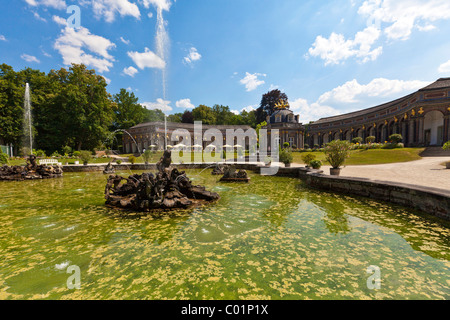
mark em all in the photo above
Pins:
pixel 374 156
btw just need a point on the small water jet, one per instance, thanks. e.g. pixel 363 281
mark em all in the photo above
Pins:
pixel 31 171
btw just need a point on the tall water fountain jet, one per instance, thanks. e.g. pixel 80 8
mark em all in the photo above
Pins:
pixel 162 45
pixel 27 141
pixel 162 48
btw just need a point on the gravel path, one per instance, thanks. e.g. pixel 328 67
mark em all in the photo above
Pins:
pixel 425 172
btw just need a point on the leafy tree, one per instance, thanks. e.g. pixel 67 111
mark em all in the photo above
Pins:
pixel 177 118
pixel 268 102
pixel 187 117
pixel 205 114
pixel 153 115
pixel 127 111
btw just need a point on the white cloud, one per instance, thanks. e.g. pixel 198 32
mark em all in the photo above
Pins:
pixel 127 42
pixel 160 4
pixel 251 81
pixel 353 96
pixel 428 27
pixel 59 20
pixel 250 108
pixel 160 104
pixel 185 104
pixel 72 43
pixel 147 59
pixel 56 4
pixel 130 71
pixel 38 17
pixel 396 19
pixel 29 58
pixel 150 15
pixel 403 15
pixel 445 67
pixel 2 37
pixel 351 91
pixel 192 56
pixel 336 48
pixel 312 112
pixel 273 87
pixel 107 80
pixel 109 8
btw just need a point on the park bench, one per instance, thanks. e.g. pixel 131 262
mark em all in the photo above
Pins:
pixel 50 162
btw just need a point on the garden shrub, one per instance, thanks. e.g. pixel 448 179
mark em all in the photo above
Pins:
pixel 316 164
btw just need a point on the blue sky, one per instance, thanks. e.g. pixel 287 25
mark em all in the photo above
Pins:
pixel 329 57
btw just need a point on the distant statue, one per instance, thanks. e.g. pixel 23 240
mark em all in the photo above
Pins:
pixel 165 161
pixel 232 175
pixel 218 170
pixel 109 169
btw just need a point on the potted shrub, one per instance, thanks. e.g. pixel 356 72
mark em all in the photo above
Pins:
pixel 286 157
pixel 316 164
pixel 447 147
pixel 307 158
pixel 357 140
pixel 85 156
pixel 3 157
pixel 132 159
pixel 147 156
pixel 370 139
pixel 336 153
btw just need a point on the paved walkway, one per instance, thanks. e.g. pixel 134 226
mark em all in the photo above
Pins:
pixel 425 172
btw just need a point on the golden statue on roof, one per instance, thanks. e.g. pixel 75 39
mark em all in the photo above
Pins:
pixel 281 105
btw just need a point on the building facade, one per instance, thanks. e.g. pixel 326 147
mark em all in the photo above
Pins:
pixel 290 129
pixel 150 135
pixel 422 118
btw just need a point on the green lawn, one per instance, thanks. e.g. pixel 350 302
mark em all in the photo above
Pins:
pixel 374 156
pixel 358 157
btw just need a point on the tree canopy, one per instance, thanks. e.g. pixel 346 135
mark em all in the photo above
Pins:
pixel 72 108
pixel 268 103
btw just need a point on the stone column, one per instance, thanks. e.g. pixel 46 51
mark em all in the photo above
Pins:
pixel 420 129
pixel 446 128
pixel 410 124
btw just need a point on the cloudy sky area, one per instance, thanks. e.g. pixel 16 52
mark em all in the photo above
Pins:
pixel 329 57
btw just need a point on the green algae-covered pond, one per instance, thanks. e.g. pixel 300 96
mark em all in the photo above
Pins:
pixel 270 239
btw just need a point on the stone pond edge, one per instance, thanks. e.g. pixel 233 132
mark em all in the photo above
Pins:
pixel 432 201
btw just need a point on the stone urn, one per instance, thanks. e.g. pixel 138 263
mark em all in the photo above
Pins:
pixel 287 165
pixel 335 171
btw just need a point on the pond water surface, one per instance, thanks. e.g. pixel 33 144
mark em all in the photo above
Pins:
pixel 270 239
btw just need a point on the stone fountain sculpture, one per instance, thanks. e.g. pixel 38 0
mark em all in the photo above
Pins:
pixel 233 175
pixel 167 190
pixel 31 171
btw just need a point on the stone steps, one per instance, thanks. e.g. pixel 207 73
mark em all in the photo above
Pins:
pixel 435 152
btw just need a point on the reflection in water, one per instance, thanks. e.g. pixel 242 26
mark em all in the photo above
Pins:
pixel 271 238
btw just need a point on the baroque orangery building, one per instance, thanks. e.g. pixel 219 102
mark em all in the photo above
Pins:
pixel 422 118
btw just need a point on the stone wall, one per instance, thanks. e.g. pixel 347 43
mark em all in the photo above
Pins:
pixel 429 200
